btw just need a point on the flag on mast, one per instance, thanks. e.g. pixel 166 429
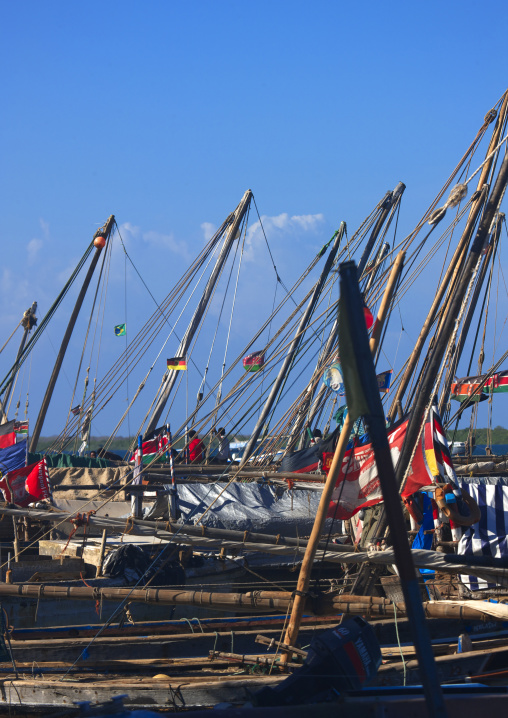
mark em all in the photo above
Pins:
pixel 384 380
pixel 177 364
pixel 7 434
pixel 254 362
pixel 120 330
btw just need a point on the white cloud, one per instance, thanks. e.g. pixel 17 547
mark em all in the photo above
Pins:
pixel 33 248
pixel 308 222
pixel 281 224
pixel 208 230
pixel 44 227
pixel 155 239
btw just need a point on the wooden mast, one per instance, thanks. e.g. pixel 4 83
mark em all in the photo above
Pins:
pixel 456 263
pixel 391 199
pixel 367 575
pixel 28 322
pixel 170 376
pixel 105 232
pixel 286 364
pixel 318 400
pixel 324 503
pixel 457 352
pixel 371 408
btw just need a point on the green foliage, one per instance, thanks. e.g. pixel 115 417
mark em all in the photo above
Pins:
pixel 499 435
pixel 120 443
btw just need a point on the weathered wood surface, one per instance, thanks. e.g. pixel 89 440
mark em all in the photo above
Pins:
pixel 191 645
pixel 175 627
pixel 163 694
pixel 257 601
pixel 173 692
pixel 184 667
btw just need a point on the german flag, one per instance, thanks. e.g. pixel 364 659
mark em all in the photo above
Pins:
pixel 177 364
pixel 7 435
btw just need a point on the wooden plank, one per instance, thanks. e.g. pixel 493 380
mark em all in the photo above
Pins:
pixel 42 693
pixel 175 627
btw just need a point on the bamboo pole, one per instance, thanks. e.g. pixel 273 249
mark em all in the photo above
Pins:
pixel 222 470
pixel 16 540
pixel 313 542
pixel 251 602
pixel 102 550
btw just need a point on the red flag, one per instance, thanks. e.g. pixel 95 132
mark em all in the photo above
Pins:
pixel 254 362
pixel 358 484
pixel 369 319
pixel 152 447
pixel 27 485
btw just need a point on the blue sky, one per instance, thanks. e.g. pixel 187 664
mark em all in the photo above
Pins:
pixel 164 113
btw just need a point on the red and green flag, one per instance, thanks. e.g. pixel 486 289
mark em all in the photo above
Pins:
pixel 476 388
pixel 254 362
pixel 21 427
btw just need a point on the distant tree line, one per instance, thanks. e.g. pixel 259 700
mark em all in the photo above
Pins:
pixel 499 435
pixel 120 442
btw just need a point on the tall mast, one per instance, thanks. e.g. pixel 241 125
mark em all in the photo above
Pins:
pixel 456 263
pixel 300 420
pixel 333 473
pixel 457 352
pixel 426 386
pixel 104 232
pixel 286 364
pixel 28 322
pixel 370 407
pixel 389 202
pixel 170 376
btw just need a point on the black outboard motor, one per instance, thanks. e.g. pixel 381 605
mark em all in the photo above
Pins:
pixel 342 659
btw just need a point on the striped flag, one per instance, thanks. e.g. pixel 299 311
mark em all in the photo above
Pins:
pixel 177 364
pixel 488 537
pixel 437 451
pixel 21 427
pixel 254 362
pixel 153 449
pixel 7 434
pixel 358 484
